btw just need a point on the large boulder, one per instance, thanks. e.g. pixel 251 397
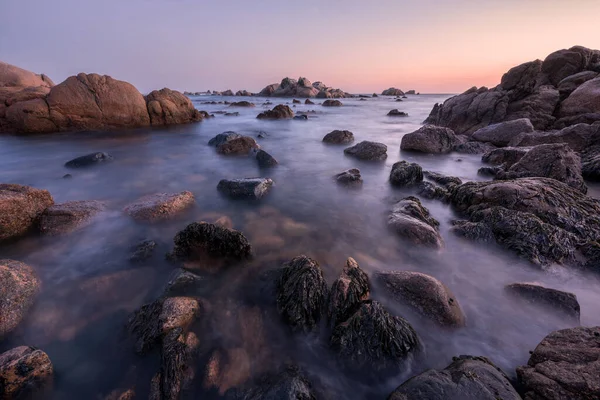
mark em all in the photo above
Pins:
pixel 502 133
pixel 563 63
pixel 70 216
pixel 169 107
pixel 246 188
pixel 280 111
pixel 584 99
pixel 564 304
pixel 302 294
pixel 349 178
pixel 238 146
pixel 579 137
pixel 30 116
pixel 467 378
pixel 406 174
pixel 269 90
pixel 430 139
pixel 347 293
pixel 392 92
pixel 570 83
pixel 223 138
pixel 520 81
pixel 25 372
pixel 19 288
pixel 160 206
pixel 12 76
pixel 505 156
pixel 423 293
pixel 339 137
pixel 265 160
pixel 332 103
pixel 538 107
pixel 20 207
pixel 365 150
pixel 565 365
pixel 412 222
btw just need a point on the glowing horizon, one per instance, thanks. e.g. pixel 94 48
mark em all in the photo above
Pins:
pixel 428 46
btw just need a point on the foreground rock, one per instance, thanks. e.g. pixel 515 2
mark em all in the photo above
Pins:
pixel 411 221
pixel 280 111
pixel 302 293
pixel 160 206
pixel 19 288
pixel 88 160
pixel 564 366
pixel 471 147
pixel 560 302
pixel 223 138
pixel 406 174
pixel 169 107
pixel 238 146
pixel 332 103
pixel 289 383
pixel 349 178
pixel 347 293
pixel 20 206
pixel 541 219
pixel 339 137
pixel 392 92
pixel 265 160
pixel 247 188
pixel 430 139
pixel 374 342
pixel 579 137
pixel 502 133
pixel 365 150
pixel 68 217
pixel 25 372
pixel 467 378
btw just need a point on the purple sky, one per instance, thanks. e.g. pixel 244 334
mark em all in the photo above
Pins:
pixel 359 46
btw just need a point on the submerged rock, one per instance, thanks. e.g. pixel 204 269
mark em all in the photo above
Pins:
pixel 339 137
pixel 502 133
pixel 425 294
pixel 280 111
pixel 18 289
pixel 347 292
pixel 184 283
pixel 25 372
pixel 406 174
pixel 411 221
pixel 20 206
pixel 301 294
pixel 430 139
pixel 564 366
pixel 160 206
pixel 332 103
pixel 563 303
pixel 70 216
pixel 88 160
pixel 366 150
pixel 238 146
pixel 467 378
pixel 223 138
pixel 246 188
pixel 302 117
pixel 308 102
pixel 350 178
pixel 397 113
pixel 265 160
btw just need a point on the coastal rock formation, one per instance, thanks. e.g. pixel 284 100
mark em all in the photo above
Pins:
pixel 332 103
pixel 471 147
pixel 289 383
pixel 579 137
pixel 411 221
pixel 269 90
pixel 19 288
pixel 25 372
pixel 301 88
pixel 406 174
pixel 160 206
pixel 241 103
pixel 467 378
pixel 397 113
pixel 502 133
pixel 265 160
pixel 280 111
pixel 68 217
pixel 88 160
pixel 339 137
pixel 237 146
pixel 169 107
pixel 246 188
pixel 562 303
pixel 564 366
pixel 349 178
pixel 223 138
pixel 20 207
pixel 392 92
pixel 430 139
pixel 347 292
pixel 505 156
pixel 366 150
pixel 590 163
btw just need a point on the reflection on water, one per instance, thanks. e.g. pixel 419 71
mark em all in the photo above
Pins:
pixel 89 287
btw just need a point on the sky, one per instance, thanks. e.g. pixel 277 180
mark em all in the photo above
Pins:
pixel 433 46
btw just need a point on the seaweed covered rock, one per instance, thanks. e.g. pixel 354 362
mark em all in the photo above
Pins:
pixel 223 138
pixel 406 174
pixel 238 146
pixel 246 188
pixel 280 111
pixel 430 190
pixel 411 221
pixel 423 293
pixel 88 160
pixel 20 206
pixel 25 372
pixel 347 292
pixel 565 365
pixel 446 181
pixel 160 206
pixel 365 150
pixel 562 303
pixel 70 216
pixel 349 178
pixel 430 139
pixel 339 137
pixel 373 341
pixel 18 289
pixel 579 137
pixel 467 378
pixel 301 294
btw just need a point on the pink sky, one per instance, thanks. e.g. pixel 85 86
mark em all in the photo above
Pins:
pixel 428 45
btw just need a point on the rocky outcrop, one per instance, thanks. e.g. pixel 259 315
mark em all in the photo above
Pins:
pixel 502 133
pixel 506 156
pixel 243 93
pixel 467 378
pixel 88 160
pixel 20 207
pixel 347 293
pixel 339 137
pixel 238 146
pixel 289 383
pixel 406 174
pixel 160 206
pixel 412 222
pixel 430 139
pixel 564 366
pixel 68 217
pixel 246 188
pixel 349 178
pixel 590 163
pixel 572 82
pixel 392 92
pixel 169 107
pixel 19 288
pixel 227 92
pixel 25 372
pixel 301 88
pixel 265 160
pixel 397 113
pixel 241 103
pixel 579 137
pixel 365 150
pixel 332 103
pixel 280 111
pixel 269 90
pixel 564 304
pixel 223 138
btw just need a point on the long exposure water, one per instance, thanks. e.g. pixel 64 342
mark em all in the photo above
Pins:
pixel 89 288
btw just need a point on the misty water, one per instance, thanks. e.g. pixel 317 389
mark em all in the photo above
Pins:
pixel 89 288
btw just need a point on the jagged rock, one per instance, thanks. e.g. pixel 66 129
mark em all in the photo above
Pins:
pixel 473 147
pixel 246 188
pixel 20 206
pixel 444 180
pixel 425 294
pixel 411 221
pixel 430 190
pixel 223 138
pixel 350 178
pixel 287 384
pixel 265 160
pixel 332 103
pixel 590 163
pixel 347 292
pixel 579 137
pixel 406 174
pixel 397 113
pixel 430 139
pixel 563 303
pixel 520 81
pixel 500 134
pixel 88 160
pixel 160 206
pixel 584 99
pixel 68 217
pixel 505 156
pixel 339 137
pixel 280 111
pixel 19 288
pixel 169 107
pixel 239 146
pixel 366 150
pixel 268 90
pixel 301 294
pixel 564 366
pixel 392 92
pixel 538 107
pixel 467 378
pixel 142 251
pixel 184 283
pixel 24 373
pixel 572 82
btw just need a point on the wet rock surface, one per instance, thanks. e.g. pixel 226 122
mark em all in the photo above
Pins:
pixel 20 206
pixel 349 178
pixel 88 160
pixel 70 216
pixel 265 160
pixel 430 139
pixel 142 251
pixel 223 138
pixel 397 113
pixel 238 146
pixel 562 303
pixel 590 164
pixel 502 133
pixel 347 293
pixel 412 222
pixel 25 372
pixel 280 111
pixel 406 174
pixel 339 137
pixel 366 150
pixel 19 288
pixel 246 188
pixel 160 206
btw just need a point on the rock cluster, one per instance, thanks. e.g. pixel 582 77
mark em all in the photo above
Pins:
pixel 302 87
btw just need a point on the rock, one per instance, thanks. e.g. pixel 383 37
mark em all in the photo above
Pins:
pixel 241 104
pixel 563 366
pixel 227 92
pixel 88 160
pixel 366 150
pixel 223 138
pixel 350 178
pixel 406 174
pixel 332 103
pixel 268 90
pixel 30 116
pixel 68 217
pixel 25 372
pixel 506 156
pixel 142 251
pixel 397 113
pixel 473 148
pixel 296 101
pixel 243 93
pixel 308 102
pixel 169 107
pixel 501 134
pixel 204 241
pixel 184 283
pixel 430 190
pixel 287 384
pixel 584 99
pixel 411 221
pixel 444 180
pixel 411 92
pixel 246 188
pixel 572 82
pixel 12 76
pixel 563 63
pixel 579 137
pixel 280 111
pixel 232 114
pixel 564 303
pixel 227 369
pixel 339 137
pixel 425 294
pixel 347 292
pixel 521 81
pixel 20 207
pixel 543 220
pixel 302 117
pixel 239 146
pixel 121 394
pixel 590 164
pixel 490 171
pixel 392 92
pixel 430 139
pixel 467 378
pixel 19 288
pixel 556 161
pixel 160 206
pixel 265 160
pixel 374 342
